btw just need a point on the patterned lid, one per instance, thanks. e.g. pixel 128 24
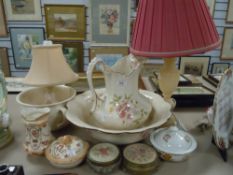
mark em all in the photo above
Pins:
pixel 66 149
pixel 140 154
pixel 103 153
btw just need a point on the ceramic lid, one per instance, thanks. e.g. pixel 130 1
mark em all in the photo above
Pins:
pixel 172 140
pixel 66 150
pixel 103 153
pixel 140 154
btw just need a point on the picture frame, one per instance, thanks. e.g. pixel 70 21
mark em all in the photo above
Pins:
pixel 73 52
pixel 150 69
pixel 110 55
pixel 22 40
pixel 15 85
pixel 219 68
pixel 65 22
pixel 195 65
pixel 229 18
pixel 110 29
pixel 3 23
pixel 23 10
pixel 211 5
pixel 227 44
pixel 4 62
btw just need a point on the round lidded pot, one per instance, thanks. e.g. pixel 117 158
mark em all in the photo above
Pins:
pixel 67 151
pixel 104 158
pixel 140 159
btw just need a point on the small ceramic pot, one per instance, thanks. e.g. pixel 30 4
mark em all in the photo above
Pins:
pixel 140 159
pixel 67 151
pixel 104 158
pixel 38 135
pixel 173 144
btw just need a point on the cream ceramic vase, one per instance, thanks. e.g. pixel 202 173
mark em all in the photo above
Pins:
pixel 122 106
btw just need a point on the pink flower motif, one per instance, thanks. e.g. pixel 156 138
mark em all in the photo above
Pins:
pixel 123 110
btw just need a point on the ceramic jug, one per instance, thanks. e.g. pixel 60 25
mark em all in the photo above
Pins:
pixel 122 106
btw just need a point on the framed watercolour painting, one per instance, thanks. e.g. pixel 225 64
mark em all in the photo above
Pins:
pixel 23 10
pixel 4 63
pixel 230 12
pixel 194 65
pixel 3 28
pixel 110 55
pixel 73 52
pixel 219 68
pixel 110 22
pixel 65 22
pixel 22 40
pixel 227 45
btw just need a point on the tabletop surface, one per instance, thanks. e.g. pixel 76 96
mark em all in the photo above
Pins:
pixel 204 161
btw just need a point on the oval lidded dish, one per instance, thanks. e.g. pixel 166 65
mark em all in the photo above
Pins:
pixel 172 143
pixel 67 151
pixel 140 159
pixel 104 158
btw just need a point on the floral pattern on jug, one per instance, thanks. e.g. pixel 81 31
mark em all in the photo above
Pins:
pixel 122 106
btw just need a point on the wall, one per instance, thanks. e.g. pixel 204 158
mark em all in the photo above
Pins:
pixel 219 18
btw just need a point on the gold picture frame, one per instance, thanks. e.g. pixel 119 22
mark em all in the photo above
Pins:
pixel 227 44
pixel 3 27
pixel 195 65
pixel 23 10
pixel 65 22
pixel 73 52
pixel 229 18
pixel 4 62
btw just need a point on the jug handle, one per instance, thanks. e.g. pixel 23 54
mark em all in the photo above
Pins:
pixel 90 69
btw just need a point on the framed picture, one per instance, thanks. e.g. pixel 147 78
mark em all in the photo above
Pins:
pixel 230 12
pixel 149 69
pixel 65 22
pixel 15 85
pixel 4 63
pixel 110 55
pixel 3 28
pixel 219 68
pixel 23 10
pixel 227 45
pixel 22 40
pixel 73 52
pixel 211 5
pixel 195 65
pixel 110 22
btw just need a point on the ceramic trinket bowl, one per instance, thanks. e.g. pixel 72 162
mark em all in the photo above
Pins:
pixel 172 143
pixel 104 158
pixel 67 151
pixel 140 159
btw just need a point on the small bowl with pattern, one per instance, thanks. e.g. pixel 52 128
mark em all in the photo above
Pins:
pixel 67 151
pixel 173 144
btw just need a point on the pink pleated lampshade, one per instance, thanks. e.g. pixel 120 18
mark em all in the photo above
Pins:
pixel 171 28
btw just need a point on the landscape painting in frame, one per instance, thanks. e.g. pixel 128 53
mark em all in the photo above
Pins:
pixel 194 65
pixel 110 22
pixel 65 22
pixel 73 52
pixel 23 10
pixel 22 41
pixel 227 45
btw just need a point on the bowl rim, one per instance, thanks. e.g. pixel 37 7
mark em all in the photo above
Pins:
pixel 119 132
pixel 161 149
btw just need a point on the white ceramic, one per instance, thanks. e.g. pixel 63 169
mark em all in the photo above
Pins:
pixel 172 143
pixel 123 107
pixel 55 98
pixel 67 151
pixel 38 136
pixel 79 113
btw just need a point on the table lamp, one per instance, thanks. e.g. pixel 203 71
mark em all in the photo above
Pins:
pixel 172 28
pixel 48 72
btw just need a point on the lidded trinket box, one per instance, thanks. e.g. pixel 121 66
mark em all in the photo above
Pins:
pixel 104 158
pixel 67 151
pixel 140 159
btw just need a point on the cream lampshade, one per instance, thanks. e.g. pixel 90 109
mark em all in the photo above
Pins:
pixel 49 67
